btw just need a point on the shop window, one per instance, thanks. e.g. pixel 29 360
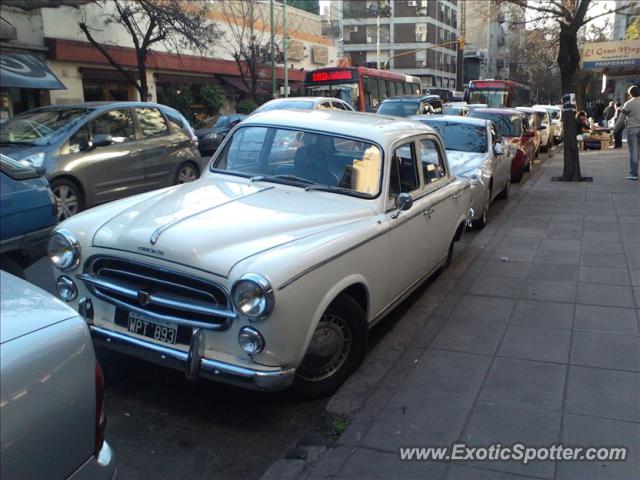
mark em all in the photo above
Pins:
pixel 104 91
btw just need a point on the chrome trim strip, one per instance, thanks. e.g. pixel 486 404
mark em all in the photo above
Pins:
pixel 272 378
pixel 160 230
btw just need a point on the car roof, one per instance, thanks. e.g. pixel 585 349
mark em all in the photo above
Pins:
pixel 480 122
pixel 527 109
pixel 376 128
pixel 301 99
pixel 99 106
pixel 498 111
pixel 398 98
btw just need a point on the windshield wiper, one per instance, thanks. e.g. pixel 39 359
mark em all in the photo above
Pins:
pixel 329 188
pixel 287 178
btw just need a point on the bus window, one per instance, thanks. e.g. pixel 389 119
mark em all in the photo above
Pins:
pixel 392 88
pixel 372 95
pixel 382 89
pixel 399 88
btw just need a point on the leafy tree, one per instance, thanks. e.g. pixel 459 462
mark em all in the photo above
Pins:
pixel 213 98
pixel 173 24
pixel 246 106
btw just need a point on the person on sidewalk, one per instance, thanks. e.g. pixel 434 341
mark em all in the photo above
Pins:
pixel 608 113
pixel 617 135
pixel 582 122
pixel 630 119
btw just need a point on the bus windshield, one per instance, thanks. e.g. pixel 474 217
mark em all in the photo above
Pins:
pixel 349 92
pixel 493 98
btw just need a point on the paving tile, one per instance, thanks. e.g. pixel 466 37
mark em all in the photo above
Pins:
pixel 561 257
pixel 524 382
pixel 543 314
pixel 588 431
pixel 606 319
pixel 553 271
pixel 460 472
pixel 601 218
pixel 443 371
pixel 415 418
pixel 601 246
pixel 603 393
pixel 603 259
pixel 568 217
pixel 498 268
pixel 601 227
pixel 564 233
pixel 532 343
pixel 365 463
pixel 526 232
pixel 509 424
pixel 513 254
pixel 635 277
pixel 549 290
pixel 606 275
pixel 609 295
pixel 519 242
pixel 607 235
pixel 496 286
pixel 446 307
pixel 489 309
pixel 465 335
pixel 606 350
pixel 567 245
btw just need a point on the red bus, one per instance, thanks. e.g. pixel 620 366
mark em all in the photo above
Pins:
pixel 499 93
pixel 363 88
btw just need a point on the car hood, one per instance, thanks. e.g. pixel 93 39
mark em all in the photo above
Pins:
pixel 26 308
pixel 20 151
pixel 216 222
pixel 462 162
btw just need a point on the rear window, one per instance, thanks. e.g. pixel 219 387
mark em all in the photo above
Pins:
pixel 400 109
pixel 508 125
pixel 296 105
pixel 461 137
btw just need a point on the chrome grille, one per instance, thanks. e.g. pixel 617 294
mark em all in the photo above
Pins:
pixel 158 293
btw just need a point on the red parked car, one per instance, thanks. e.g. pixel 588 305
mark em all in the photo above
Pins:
pixel 513 126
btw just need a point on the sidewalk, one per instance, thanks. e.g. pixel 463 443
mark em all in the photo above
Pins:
pixel 536 342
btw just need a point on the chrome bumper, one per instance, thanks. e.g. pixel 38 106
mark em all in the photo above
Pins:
pixel 194 366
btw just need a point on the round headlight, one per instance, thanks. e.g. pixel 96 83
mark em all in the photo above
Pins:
pixel 67 290
pixel 64 250
pixel 250 340
pixel 253 296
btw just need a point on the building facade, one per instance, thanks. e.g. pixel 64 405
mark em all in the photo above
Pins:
pixel 492 36
pixel 416 37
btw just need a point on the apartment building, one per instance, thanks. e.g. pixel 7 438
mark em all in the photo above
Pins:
pixel 416 37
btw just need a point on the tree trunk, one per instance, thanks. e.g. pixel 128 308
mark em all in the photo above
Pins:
pixel 569 61
pixel 143 87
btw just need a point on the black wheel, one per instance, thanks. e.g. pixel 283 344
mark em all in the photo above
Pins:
pixel 68 197
pixel 479 223
pixel 11 265
pixel 188 172
pixel 337 347
pixel 504 193
pixel 518 178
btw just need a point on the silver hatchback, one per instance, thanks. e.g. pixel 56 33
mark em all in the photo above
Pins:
pixel 102 151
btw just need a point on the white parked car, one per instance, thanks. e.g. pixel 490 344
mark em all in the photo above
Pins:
pixel 269 270
pixel 51 396
pixel 544 126
pixel 304 103
pixel 477 151
pixel 555 115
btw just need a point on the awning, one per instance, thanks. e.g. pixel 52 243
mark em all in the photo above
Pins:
pixel 26 70
pixel 237 83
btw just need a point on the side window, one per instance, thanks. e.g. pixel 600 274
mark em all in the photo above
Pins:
pixel 152 123
pixel 324 106
pixel 338 106
pixel 404 170
pixel 117 123
pixel 495 135
pixel 79 141
pixel 175 122
pixel 431 160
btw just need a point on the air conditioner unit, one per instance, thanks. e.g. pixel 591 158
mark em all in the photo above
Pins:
pixel 353 28
pixel 412 3
pixel 422 11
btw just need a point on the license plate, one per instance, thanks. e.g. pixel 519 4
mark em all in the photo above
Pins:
pixel 161 331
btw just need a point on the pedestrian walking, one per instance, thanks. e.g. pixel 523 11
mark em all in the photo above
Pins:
pixel 617 135
pixel 608 113
pixel 630 119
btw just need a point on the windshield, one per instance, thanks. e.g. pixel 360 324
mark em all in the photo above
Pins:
pixel 508 125
pixel 347 92
pixel 400 109
pixel 452 111
pixel 461 137
pixel 39 128
pixel 492 98
pixel 304 159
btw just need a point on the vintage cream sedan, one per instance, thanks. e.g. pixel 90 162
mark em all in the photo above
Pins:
pixel 268 271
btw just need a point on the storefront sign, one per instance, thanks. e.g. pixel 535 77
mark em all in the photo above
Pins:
pixel 621 54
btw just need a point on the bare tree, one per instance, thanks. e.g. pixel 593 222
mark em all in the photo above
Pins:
pixel 570 16
pixel 174 24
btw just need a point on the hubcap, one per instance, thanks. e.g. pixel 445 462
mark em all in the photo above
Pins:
pixel 187 174
pixel 328 349
pixel 67 201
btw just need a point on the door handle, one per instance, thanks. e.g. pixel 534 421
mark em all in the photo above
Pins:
pixel 428 212
pixel 456 195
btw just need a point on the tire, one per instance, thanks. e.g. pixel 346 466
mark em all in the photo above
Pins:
pixel 11 265
pixel 518 178
pixel 529 166
pixel 344 322
pixel 188 172
pixel 504 193
pixel 447 262
pixel 68 197
pixel 480 223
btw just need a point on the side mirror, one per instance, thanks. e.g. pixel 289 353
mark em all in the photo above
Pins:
pixel 102 140
pixel 542 127
pixel 530 133
pixel 554 122
pixel 498 149
pixel 402 202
